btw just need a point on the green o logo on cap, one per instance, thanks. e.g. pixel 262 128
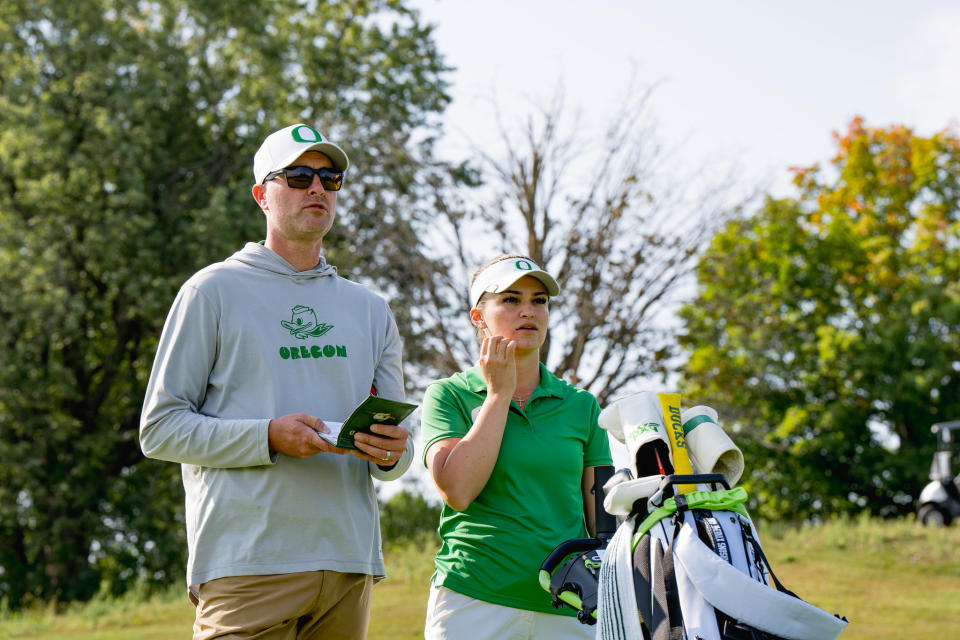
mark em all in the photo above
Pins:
pixel 298 135
pixel 523 265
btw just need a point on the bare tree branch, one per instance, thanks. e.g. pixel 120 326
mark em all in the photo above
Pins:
pixel 604 214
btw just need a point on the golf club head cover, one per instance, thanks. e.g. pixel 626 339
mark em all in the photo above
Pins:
pixel 609 421
pixel 638 420
pixel 621 492
pixel 711 450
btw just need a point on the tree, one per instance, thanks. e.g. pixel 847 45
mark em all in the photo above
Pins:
pixel 826 329
pixel 127 132
pixel 408 517
pixel 600 211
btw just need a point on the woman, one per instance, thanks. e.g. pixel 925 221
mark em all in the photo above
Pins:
pixel 511 448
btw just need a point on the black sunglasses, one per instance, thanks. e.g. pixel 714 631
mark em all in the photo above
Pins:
pixel 300 177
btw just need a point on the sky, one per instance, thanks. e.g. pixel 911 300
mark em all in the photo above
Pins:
pixel 758 86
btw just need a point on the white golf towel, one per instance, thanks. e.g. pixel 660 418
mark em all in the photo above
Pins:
pixel 617 617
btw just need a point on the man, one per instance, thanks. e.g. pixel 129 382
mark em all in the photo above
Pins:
pixel 257 351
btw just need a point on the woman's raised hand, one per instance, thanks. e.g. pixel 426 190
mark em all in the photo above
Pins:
pixel 499 366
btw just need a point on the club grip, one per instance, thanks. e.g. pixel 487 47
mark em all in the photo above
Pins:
pixel 605 523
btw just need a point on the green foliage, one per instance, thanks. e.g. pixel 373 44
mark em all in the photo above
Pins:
pixel 127 132
pixel 407 517
pixel 825 320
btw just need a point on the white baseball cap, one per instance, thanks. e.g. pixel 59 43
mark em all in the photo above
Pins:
pixel 282 147
pixel 500 275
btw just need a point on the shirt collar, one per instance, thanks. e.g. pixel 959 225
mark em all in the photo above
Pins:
pixel 550 385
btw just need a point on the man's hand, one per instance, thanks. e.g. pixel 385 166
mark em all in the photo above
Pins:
pixel 385 447
pixel 295 435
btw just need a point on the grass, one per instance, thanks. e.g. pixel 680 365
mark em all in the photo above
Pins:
pixel 891 579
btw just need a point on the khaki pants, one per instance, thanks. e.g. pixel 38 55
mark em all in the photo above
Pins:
pixel 289 606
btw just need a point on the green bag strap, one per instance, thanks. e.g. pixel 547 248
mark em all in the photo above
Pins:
pixel 723 500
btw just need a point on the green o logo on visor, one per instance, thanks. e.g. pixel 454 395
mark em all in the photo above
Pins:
pixel 523 265
pixel 299 136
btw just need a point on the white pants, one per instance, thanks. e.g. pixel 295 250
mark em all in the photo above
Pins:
pixel 454 616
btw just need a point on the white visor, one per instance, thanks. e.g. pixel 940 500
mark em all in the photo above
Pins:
pixel 500 275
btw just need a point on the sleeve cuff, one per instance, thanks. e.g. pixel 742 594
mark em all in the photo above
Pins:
pixel 397 470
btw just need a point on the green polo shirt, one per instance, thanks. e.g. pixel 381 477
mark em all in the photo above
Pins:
pixel 492 551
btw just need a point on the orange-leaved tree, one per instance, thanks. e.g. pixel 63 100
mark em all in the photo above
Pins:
pixel 826 327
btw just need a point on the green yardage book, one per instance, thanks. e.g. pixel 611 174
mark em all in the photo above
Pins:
pixel 372 410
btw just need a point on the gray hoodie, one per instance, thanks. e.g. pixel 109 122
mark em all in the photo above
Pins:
pixel 251 339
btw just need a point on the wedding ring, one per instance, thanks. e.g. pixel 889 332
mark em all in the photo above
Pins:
pixel 388 455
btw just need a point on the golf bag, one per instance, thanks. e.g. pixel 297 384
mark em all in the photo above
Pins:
pixel 685 562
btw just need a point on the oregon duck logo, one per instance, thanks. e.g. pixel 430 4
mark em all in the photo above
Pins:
pixel 644 428
pixel 303 323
